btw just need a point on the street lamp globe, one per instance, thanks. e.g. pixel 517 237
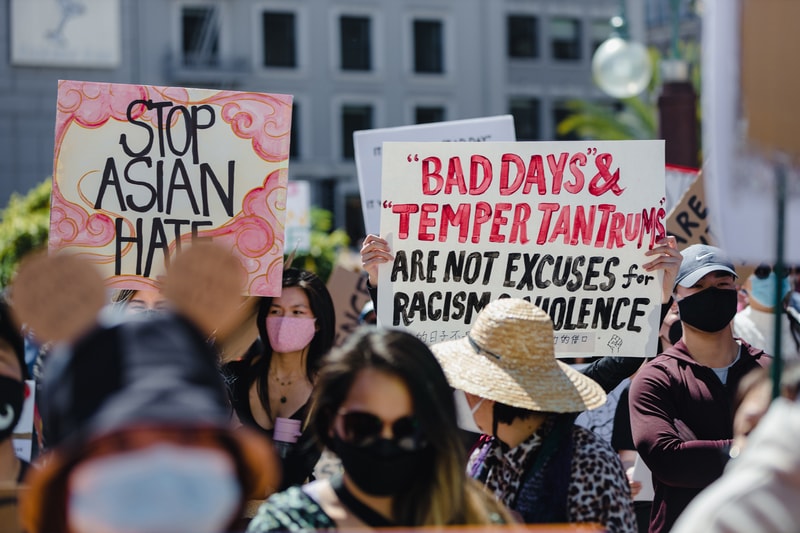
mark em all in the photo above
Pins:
pixel 621 68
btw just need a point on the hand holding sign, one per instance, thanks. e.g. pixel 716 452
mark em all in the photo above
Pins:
pixel 374 252
pixel 667 258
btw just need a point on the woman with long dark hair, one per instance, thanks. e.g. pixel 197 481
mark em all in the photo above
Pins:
pixel 271 385
pixel 383 405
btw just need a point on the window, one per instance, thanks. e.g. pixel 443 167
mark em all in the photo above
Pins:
pixel 428 46
pixel 354 217
pixel 280 49
pixel 294 134
pixel 354 118
pixel 326 194
pixel 566 38
pixel 427 114
pixel 527 118
pixel 523 36
pixel 200 36
pixel 561 112
pixel 601 30
pixel 355 46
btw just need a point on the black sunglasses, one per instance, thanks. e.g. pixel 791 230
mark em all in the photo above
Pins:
pixel 363 429
pixel 763 271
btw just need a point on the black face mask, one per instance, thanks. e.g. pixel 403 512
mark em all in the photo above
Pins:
pixel 12 397
pixel 381 468
pixel 709 310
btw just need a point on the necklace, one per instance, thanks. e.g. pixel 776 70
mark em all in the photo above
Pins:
pixel 285 382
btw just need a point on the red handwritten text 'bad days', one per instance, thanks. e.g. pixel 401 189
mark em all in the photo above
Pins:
pixel 598 225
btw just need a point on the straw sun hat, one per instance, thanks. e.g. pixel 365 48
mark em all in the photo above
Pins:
pixel 508 357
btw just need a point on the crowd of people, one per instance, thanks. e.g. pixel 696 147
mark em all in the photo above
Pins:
pixel 143 424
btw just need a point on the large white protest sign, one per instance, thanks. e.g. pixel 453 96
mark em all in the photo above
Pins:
pixel 564 224
pixel 750 125
pixel 368 151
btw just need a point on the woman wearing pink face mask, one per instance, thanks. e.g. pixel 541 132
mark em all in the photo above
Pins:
pixel 271 385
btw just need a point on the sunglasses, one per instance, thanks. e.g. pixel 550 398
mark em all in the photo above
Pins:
pixel 363 429
pixel 763 271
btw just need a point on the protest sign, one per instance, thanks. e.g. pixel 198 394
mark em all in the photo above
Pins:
pixel 140 171
pixel 564 224
pixel 690 223
pixel 689 220
pixel 298 216
pixel 349 292
pixel 368 143
pixel 749 126
pixel 22 436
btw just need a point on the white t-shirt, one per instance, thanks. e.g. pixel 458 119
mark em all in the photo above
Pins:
pixel 757 329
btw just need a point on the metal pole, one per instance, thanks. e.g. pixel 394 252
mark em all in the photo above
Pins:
pixel 780 201
pixel 675 8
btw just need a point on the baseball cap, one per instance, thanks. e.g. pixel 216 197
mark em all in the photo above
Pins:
pixel 699 260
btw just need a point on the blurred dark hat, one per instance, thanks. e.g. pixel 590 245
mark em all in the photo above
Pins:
pixel 155 376
pixel 145 371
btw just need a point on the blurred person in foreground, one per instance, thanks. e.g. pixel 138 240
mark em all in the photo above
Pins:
pixel 383 406
pixel 533 457
pixel 13 373
pixel 138 411
pixel 681 401
pixel 760 488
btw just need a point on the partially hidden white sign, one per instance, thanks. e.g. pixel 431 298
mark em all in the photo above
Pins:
pixel 368 151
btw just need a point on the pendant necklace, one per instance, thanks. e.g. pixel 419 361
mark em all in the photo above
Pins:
pixel 283 383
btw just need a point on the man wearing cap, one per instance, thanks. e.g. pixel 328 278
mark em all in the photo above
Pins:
pixel 533 457
pixel 680 402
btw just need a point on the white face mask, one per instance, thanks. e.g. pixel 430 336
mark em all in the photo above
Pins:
pixel 161 488
pixel 465 415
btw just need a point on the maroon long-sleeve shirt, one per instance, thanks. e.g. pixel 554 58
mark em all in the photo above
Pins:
pixel 675 386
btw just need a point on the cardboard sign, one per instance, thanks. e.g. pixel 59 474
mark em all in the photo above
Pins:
pixel 141 171
pixel 769 43
pixel 348 290
pixel 689 221
pixel 749 125
pixel 564 224
pixel 368 152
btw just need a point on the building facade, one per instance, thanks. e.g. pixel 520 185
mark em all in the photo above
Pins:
pixel 350 65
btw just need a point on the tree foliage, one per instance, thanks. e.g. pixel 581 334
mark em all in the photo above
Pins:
pixel 326 243
pixel 24 227
pixel 629 118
